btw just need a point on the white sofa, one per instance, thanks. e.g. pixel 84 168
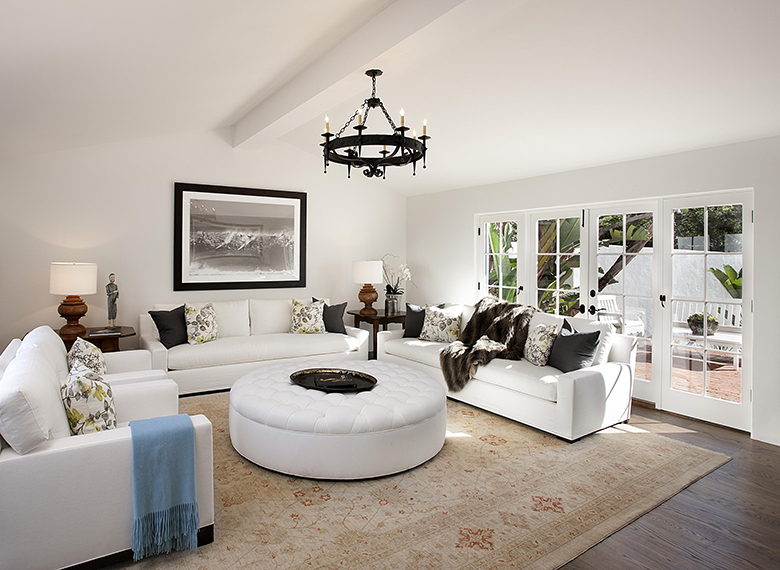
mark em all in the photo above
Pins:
pixel 250 331
pixel 69 500
pixel 569 405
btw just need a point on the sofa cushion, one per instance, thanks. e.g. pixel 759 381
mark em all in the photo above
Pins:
pixel 171 326
pixel 234 350
pixel 202 325
pixel 232 317
pixel 88 354
pixel 31 409
pixel 52 348
pixel 88 401
pixel 521 376
pixel 269 316
pixel 422 351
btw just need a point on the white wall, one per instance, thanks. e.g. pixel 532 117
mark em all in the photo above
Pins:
pixel 113 204
pixel 440 239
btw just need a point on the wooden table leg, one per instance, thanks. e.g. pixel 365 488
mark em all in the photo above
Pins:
pixel 375 333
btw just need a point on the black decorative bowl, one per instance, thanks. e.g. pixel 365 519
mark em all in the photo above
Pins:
pixel 333 380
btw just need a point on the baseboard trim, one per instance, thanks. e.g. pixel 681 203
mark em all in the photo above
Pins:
pixel 205 536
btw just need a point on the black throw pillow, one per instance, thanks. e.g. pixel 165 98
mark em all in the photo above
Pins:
pixel 171 326
pixel 333 316
pixel 573 350
pixel 415 317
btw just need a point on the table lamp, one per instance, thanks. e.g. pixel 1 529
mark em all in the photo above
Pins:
pixel 72 279
pixel 367 272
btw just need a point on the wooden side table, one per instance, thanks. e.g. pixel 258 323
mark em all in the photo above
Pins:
pixel 375 320
pixel 106 343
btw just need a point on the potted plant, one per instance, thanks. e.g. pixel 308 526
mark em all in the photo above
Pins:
pixel 394 277
pixel 696 324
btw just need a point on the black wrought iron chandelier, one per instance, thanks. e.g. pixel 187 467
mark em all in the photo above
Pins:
pixel 362 150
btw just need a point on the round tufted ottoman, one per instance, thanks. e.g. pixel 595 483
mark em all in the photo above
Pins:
pixel 397 425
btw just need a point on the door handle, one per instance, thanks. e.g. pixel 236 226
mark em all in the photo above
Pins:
pixel 663 301
pixel 593 310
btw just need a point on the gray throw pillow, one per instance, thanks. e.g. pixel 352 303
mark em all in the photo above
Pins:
pixel 171 326
pixel 573 350
pixel 333 315
pixel 415 317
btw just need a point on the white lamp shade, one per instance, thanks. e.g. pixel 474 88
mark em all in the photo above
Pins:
pixel 71 278
pixel 367 272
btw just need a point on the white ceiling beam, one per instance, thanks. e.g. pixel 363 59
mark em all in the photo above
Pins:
pixel 322 85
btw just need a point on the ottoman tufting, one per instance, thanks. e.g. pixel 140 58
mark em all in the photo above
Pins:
pixel 397 425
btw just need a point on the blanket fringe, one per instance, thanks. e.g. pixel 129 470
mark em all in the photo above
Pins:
pixel 162 531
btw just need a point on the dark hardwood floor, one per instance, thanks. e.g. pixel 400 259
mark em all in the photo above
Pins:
pixel 730 519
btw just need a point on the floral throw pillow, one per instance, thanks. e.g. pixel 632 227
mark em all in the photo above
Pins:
pixel 88 401
pixel 87 353
pixel 201 323
pixel 441 325
pixel 307 318
pixel 539 344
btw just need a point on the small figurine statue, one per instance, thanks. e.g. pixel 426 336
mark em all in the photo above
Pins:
pixel 112 292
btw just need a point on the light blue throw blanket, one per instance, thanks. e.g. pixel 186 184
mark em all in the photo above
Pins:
pixel 165 505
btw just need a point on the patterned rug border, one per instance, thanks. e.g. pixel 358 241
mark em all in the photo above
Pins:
pixel 655 499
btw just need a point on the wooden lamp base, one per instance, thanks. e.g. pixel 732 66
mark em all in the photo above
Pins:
pixel 367 296
pixel 72 309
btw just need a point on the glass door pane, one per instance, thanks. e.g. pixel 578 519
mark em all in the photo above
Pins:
pixel 558 265
pixel 500 259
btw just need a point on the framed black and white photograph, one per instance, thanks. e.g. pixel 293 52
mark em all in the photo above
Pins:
pixel 238 238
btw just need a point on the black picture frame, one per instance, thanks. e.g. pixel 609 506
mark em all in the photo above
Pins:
pixel 228 237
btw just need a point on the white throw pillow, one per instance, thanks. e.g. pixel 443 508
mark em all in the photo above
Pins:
pixel 88 400
pixel 201 323
pixel 307 317
pixel 539 343
pixel 441 325
pixel 87 353
pixel 232 317
pixel 31 410
pixel 52 348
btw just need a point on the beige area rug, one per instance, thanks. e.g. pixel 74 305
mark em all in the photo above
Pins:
pixel 498 495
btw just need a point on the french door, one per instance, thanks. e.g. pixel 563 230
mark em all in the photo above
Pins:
pixel 708 308
pixel 623 283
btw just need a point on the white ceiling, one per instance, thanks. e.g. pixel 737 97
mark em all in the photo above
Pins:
pixel 510 88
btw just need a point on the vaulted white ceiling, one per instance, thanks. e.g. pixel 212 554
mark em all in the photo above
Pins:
pixel 510 88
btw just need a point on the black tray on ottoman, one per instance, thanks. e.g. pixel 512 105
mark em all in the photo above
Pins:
pixel 333 380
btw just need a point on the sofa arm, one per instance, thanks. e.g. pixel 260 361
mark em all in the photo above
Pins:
pixel 133 377
pixel 158 351
pixel 142 400
pixel 382 337
pixel 34 506
pixel 362 337
pixel 593 398
pixel 128 361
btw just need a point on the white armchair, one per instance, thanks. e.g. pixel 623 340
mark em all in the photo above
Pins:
pixel 69 500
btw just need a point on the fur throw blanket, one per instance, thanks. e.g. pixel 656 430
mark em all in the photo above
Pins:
pixel 496 330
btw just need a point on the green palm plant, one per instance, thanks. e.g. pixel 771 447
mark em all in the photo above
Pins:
pixel 730 278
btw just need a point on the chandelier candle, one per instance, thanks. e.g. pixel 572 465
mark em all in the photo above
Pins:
pixel 362 150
